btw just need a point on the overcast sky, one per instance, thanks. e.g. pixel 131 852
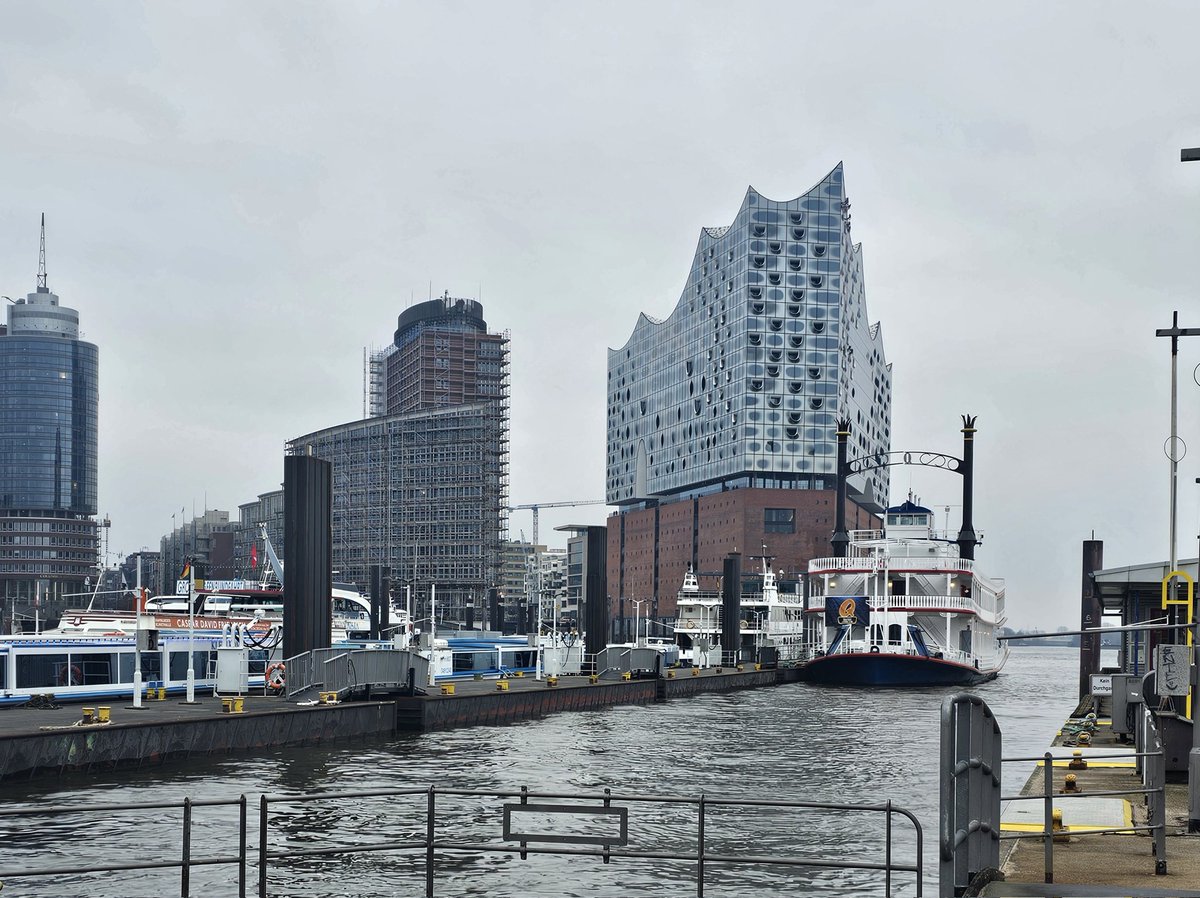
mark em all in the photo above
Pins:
pixel 241 196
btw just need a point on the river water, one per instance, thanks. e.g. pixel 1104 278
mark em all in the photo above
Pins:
pixel 793 743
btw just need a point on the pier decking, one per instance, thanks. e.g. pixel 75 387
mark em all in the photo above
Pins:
pixel 34 741
pixel 1121 863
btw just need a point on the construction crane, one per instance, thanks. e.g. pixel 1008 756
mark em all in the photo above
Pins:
pixel 534 506
pixel 535 585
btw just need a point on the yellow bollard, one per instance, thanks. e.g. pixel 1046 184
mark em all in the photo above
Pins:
pixel 1077 762
pixel 593 679
pixel 695 671
pixel 89 715
pixel 162 693
pixel 502 685
pixel 239 705
pixel 518 673
pixel 758 667
pixel 226 706
pixel 1060 831
pixel 741 667
pixel 551 681
pixel 627 676
pixel 103 714
pixel 447 689
pixel 1071 783
pixel 670 674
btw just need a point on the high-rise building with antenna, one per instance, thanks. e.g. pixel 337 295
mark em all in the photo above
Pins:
pixel 49 390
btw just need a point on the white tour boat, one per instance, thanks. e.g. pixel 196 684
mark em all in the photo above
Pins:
pixel 771 618
pixel 903 608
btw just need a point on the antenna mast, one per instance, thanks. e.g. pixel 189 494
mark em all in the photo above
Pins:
pixel 41 278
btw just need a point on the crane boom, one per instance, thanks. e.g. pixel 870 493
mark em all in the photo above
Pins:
pixel 535 506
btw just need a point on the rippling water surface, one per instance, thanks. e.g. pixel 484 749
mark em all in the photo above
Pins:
pixel 795 743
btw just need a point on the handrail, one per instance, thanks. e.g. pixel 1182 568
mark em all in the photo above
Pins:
pixel 185 862
pixel 969 791
pixel 971 763
pixel 607 846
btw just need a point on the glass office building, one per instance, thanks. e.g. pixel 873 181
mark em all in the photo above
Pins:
pixel 769 345
pixel 722 417
pixel 49 400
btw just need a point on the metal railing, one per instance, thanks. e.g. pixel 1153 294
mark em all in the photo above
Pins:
pixel 608 845
pixel 185 862
pixel 970 792
pixel 367 668
pixel 971 765
pixel 306 670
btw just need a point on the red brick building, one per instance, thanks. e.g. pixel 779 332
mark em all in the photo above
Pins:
pixel 649 549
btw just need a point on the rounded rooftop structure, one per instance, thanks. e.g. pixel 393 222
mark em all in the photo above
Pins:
pixel 443 313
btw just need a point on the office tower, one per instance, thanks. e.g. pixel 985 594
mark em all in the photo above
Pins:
pixel 722 417
pixel 421 486
pixel 49 403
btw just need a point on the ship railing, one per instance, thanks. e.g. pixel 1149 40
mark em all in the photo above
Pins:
pixel 922 563
pixel 184 859
pixel 551 824
pixel 958 604
pixel 971 799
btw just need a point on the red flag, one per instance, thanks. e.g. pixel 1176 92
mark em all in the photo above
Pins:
pixel 253 556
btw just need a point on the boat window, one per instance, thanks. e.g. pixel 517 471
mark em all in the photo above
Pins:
pixel 96 669
pixel 906 520
pixel 37 671
pixel 893 519
pixel 895 633
pixel 179 665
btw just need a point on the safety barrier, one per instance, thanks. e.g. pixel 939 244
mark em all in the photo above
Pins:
pixel 609 811
pixel 971 798
pixel 348 671
pixel 186 860
pixel 306 670
pixel 970 792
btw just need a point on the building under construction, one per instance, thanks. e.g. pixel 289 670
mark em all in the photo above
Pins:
pixel 421 484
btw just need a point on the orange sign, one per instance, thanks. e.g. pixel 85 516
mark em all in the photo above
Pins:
pixel 846 609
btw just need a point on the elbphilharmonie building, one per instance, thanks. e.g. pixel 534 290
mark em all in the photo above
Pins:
pixel 739 388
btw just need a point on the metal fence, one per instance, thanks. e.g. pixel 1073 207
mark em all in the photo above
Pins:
pixel 971 799
pixel 185 862
pixel 609 811
pixel 970 792
pixel 526 823
pixel 368 668
pixel 306 670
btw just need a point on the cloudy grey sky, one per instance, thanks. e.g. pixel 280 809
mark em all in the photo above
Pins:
pixel 240 196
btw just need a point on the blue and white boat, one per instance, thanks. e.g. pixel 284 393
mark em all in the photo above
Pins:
pixel 902 609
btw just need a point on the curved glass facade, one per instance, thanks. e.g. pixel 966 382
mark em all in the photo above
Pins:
pixel 49 396
pixel 767 348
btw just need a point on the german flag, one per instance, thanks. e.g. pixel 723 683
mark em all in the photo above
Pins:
pixel 187 569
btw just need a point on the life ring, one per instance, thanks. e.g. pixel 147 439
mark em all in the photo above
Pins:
pixel 875 650
pixel 744 625
pixel 276 676
pixel 691 625
pixel 72 676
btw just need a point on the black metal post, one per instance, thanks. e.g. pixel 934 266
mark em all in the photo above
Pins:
pixel 262 847
pixel 185 870
pixel 1089 615
pixel 841 538
pixel 700 852
pixel 429 845
pixel 967 540
pixel 242 846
